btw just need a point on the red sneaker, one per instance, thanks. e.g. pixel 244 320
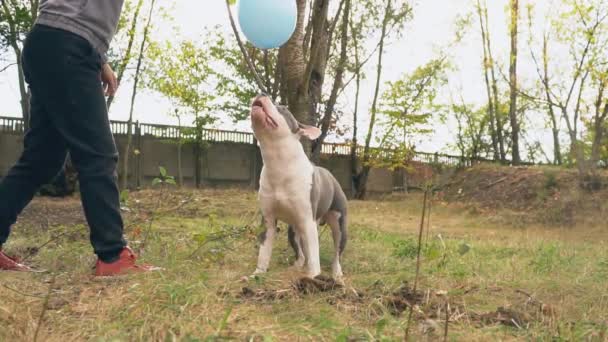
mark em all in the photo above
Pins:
pixel 124 265
pixel 8 263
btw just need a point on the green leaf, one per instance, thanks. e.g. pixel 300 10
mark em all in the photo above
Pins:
pixel 124 196
pixel 380 325
pixel 224 321
pixel 464 248
pixel 170 180
pixel 156 181
pixel 344 336
pixel 200 238
pixel 163 171
pixel 432 252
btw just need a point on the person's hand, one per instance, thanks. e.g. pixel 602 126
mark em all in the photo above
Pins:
pixel 109 80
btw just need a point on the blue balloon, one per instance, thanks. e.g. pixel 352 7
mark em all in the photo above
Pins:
pixel 268 24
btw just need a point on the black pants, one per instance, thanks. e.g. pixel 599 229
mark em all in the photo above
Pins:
pixel 68 113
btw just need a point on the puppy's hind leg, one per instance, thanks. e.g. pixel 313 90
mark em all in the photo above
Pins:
pixel 295 241
pixel 336 222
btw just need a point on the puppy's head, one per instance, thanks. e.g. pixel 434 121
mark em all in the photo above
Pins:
pixel 270 121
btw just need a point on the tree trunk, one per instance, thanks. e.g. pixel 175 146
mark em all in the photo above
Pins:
pixel 303 78
pixel 486 65
pixel 24 92
pixel 180 172
pixel 364 174
pixel 125 163
pixel 575 146
pixel 599 121
pixel 293 67
pixel 127 57
pixel 513 83
pixel 13 41
pixel 598 138
pixel 354 171
pixel 198 151
pixel 497 114
pixel 317 63
pixel 338 82
pixel 557 153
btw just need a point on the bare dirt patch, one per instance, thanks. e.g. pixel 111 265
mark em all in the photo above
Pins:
pixel 544 195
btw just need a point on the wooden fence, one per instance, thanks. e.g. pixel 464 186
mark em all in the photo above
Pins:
pixel 12 125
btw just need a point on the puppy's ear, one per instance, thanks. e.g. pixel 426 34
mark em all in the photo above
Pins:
pixel 310 132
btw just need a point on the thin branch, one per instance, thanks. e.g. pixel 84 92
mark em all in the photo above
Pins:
pixel 308 30
pixel 333 98
pixel 579 100
pixel 362 64
pixel 7 66
pixel 543 78
pixel 127 57
pixel 332 29
pixel 579 68
pixel 315 49
pixel 277 78
pixel 334 21
pixel 358 69
pixel 267 70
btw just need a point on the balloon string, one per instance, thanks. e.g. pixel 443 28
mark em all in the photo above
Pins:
pixel 248 59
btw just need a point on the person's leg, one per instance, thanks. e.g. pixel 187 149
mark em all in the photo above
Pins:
pixel 67 70
pixel 44 153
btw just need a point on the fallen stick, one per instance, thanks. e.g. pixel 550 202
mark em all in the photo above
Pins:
pixel 45 306
pixel 424 206
pixel 495 183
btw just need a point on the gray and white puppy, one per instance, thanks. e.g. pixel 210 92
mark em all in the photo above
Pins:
pixel 295 191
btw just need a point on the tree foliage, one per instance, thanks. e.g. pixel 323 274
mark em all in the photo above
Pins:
pixel 408 106
pixel 182 72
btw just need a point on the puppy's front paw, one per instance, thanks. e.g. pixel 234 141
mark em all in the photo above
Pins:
pixel 339 280
pixel 299 263
pixel 258 271
pixel 313 274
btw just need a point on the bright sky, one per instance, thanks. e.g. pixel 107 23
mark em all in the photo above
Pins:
pixel 432 27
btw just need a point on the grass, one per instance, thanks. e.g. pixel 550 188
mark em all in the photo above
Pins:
pixel 483 265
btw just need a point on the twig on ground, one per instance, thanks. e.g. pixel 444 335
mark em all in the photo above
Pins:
pixel 447 319
pixel 219 237
pixel 428 220
pixel 36 250
pixel 21 293
pixel 177 207
pixel 418 252
pixel 495 182
pixel 424 207
pixel 45 306
pixel 151 220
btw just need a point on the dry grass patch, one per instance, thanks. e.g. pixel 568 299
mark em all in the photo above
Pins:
pixel 499 282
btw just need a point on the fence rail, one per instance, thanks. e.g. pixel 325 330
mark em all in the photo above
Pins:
pixel 12 125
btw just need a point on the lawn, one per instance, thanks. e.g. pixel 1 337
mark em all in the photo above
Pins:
pixel 495 281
